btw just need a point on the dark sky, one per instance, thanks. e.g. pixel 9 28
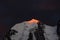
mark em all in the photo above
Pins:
pixel 44 10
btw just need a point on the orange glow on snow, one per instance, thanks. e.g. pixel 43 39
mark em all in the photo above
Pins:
pixel 33 21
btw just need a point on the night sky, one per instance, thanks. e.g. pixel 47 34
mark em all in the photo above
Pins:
pixel 44 10
pixel 21 10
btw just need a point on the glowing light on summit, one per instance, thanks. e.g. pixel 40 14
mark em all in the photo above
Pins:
pixel 33 21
